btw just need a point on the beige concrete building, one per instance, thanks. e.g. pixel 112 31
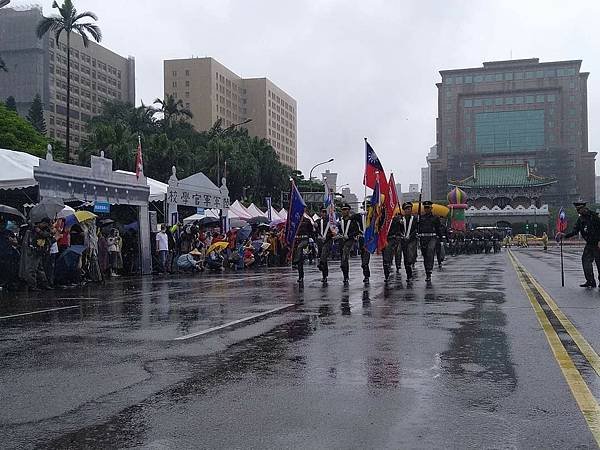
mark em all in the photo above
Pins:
pixel 212 92
pixel 39 66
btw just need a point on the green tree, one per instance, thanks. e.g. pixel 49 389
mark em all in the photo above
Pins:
pixel 69 21
pixel 172 109
pixel 36 115
pixel 11 103
pixel 17 133
pixel 3 65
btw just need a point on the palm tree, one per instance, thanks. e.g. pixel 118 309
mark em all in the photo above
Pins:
pixel 171 108
pixel 69 21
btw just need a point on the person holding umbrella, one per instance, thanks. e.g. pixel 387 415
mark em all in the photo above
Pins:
pixel 35 248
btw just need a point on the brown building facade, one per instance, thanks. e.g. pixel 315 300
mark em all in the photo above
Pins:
pixel 516 112
pixel 39 66
pixel 211 92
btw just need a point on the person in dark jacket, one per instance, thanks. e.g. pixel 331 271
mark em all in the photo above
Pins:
pixel 408 239
pixel 305 232
pixel 588 225
pixel 348 232
pixel 429 233
pixel 324 240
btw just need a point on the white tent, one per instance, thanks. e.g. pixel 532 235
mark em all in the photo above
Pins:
pixel 157 188
pixel 16 169
pixel 283 213
pixel 207 213
pixel 254 211
pixel 238 211
pixel 274 214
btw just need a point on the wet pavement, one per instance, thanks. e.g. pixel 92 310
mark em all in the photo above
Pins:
pixel 256 361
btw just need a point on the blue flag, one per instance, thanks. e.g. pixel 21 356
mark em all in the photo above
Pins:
pixel 295 213
pixel 373 215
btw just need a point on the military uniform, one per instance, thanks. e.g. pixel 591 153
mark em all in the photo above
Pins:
pixel 324 242
pixel 365 256
pixel 403 230
pixel 349 231
pixel 429 233
pixel 305 232
pixel 588 224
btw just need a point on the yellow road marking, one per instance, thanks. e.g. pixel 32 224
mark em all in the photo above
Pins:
pixel 583 396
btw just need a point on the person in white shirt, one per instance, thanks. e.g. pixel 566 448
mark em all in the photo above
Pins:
pixel 162 247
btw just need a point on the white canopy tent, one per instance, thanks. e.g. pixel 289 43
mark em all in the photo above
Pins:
pixel 283 213
pixel 274 214
pixel 16 169
pixel 254 211
pixel 238 211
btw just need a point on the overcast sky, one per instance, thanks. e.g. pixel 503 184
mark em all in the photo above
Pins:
pixel 356 68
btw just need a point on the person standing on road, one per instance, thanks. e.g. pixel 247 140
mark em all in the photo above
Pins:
pixel 162 247
pixel 324 240
pixel 349 230
pixel 391 249
pixel 588 224
pixel 305 232
pixel 429 233
pixel 408 242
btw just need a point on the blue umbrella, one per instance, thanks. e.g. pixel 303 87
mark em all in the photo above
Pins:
pixel 243 234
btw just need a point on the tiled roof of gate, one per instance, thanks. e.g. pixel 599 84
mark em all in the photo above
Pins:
pixel 505 175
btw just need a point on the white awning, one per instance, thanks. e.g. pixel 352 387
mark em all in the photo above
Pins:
pixel 254 211
pixel 16 169
pixel 157 188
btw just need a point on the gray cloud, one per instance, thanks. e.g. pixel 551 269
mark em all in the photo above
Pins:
pixel 356 68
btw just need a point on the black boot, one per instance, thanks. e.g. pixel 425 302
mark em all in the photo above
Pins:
pixel 588 284
pixel 386 274
pixel 428 276
pixel 366 280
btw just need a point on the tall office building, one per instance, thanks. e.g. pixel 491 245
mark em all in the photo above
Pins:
pixel 211 91
pixel 516 112
pixel 39 66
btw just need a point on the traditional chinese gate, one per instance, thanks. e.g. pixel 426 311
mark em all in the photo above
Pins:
pixel 196 191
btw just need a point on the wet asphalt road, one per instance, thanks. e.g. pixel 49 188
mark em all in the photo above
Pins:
pixel 463 363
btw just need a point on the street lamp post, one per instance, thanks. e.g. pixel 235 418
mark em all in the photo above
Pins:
pixel 317 165
pixel 226 130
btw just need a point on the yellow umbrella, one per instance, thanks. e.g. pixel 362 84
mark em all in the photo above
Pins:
pixel 218 246
pixel 82 216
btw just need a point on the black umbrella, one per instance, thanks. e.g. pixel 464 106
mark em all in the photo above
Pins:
pixel 48 207
pixel 209 221
pixel 258 220
pixel 11 212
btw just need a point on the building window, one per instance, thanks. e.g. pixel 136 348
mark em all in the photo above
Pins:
pixel 539 74
pixel 490 77
pixel 477 102
pixel 459 80
pixel 549 73
pixel 539 99
pixel 487 102
pixel 529 99
pixel 529 75
pixel 187 83
pixel 499 77
pixel 499 101
pixel 518 100
pixel 174 73
pixel 518 75
pixel 509 131
pixel 174 83
pixel 508 76
pixel 478 78
pixel 509 101
pixel 187 94
pixel 551 97
pixel 187 73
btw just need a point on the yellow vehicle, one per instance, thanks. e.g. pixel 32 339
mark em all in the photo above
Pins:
pixel 524 240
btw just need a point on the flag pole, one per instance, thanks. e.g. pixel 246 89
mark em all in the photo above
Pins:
pixel 562 266
pixel 364 183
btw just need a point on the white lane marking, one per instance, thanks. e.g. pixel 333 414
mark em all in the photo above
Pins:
pixel 235 322
pixel 41 311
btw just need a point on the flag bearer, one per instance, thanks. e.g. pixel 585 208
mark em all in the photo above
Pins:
pixel 305 232
pixel 429 231
pixel 348 232
pixel 408 240
pixel 324 241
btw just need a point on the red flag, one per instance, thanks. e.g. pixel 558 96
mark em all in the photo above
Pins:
pixel 139 162
pixel 391 207
pixel 373 169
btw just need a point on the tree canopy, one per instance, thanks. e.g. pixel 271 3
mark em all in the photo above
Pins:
pixel 168 139
pixel 36 115
pixel 17 133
